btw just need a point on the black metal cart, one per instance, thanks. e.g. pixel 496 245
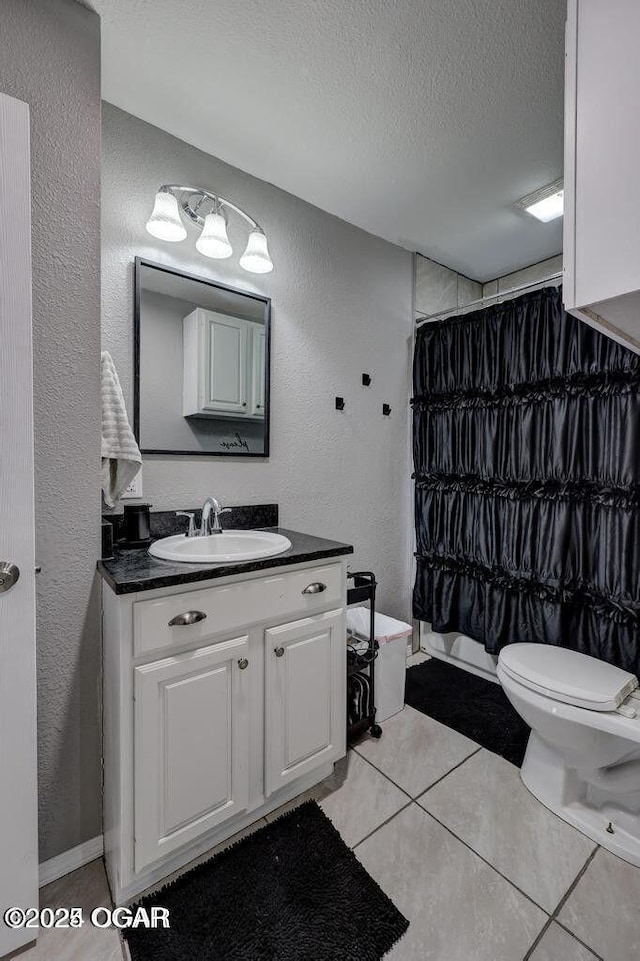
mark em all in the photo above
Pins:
pixel 361 675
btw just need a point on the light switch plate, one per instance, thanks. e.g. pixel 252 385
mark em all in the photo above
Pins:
pixel 134 490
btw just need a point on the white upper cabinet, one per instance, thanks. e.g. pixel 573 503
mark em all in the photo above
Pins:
pixel 223 366
pixel 602 159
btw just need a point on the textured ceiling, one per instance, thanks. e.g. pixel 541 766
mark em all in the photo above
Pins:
pixel 421 121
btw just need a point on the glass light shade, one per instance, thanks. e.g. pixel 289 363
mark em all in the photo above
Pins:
pixel 213 241
pixel 256 257
pixel 164 222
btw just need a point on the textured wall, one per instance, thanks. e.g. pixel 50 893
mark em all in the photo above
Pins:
pixel 342 303
pixel 51 59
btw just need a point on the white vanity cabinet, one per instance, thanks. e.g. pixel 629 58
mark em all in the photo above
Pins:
pixel 223 366
pixel 222 700
pixel 601 162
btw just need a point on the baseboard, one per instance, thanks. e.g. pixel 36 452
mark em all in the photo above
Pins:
pixel 70 860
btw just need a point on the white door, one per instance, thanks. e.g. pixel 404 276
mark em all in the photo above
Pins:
pixel 258 341
pixel 191 746
pixel 18 784
pixel 226 371
pixel 305 697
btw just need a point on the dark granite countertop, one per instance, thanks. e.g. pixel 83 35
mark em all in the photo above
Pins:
pixel 136 570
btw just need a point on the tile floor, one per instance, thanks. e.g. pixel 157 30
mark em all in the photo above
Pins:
pixel 482 870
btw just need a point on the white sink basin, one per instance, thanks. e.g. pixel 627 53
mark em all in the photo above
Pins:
pixel 220 548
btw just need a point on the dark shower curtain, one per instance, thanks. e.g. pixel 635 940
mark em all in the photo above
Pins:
pixel 527 480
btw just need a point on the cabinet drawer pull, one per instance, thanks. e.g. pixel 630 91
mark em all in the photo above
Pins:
pixel 316 588
pixel 278 651
pixel 243 663
pixel 190 617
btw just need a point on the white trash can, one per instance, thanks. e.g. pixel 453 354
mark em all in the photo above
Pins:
pixel 391 663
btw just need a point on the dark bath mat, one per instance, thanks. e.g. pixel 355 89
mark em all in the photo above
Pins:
pixel 470 705
pixel 292 891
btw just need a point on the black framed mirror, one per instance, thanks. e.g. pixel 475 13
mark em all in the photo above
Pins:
pixel 201 365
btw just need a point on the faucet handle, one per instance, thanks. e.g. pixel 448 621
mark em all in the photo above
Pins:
pixel 217 527
pixel 192 522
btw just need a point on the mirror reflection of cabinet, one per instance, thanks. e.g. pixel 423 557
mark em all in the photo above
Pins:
pixel 258 368
pixel 223 372
pixel 201 360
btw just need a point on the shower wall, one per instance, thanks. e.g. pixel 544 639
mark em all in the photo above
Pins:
pixel 439 288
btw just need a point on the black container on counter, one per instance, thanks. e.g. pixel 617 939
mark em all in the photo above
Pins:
pixel 107 540
pixel 136 526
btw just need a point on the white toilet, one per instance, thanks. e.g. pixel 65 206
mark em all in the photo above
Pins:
pixel 583 756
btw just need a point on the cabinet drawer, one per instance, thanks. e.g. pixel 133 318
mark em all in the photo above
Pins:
pixel 232 606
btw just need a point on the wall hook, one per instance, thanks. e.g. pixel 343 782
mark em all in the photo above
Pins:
pixel 366 380
pixel 386 410
pixel 339 403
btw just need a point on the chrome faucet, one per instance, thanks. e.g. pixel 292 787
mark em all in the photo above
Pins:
pixel 212 506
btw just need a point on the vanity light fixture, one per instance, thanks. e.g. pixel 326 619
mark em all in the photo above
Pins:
pixel 256 257
pixel 164 222
pixel 213 241
pixel 545 204
pixel 208 211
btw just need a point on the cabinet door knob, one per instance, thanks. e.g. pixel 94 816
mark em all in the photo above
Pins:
pixel 278 651
pixel 189 617
pixel 316 588
pixel 243 663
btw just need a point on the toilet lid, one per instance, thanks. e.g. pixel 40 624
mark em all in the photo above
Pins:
pixel 567 676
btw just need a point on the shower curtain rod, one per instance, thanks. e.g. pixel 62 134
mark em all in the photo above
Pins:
pixel 484 300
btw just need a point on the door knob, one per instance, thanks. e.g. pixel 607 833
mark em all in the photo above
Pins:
pixel 9 574
pixel 243 663
pixel 278 651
